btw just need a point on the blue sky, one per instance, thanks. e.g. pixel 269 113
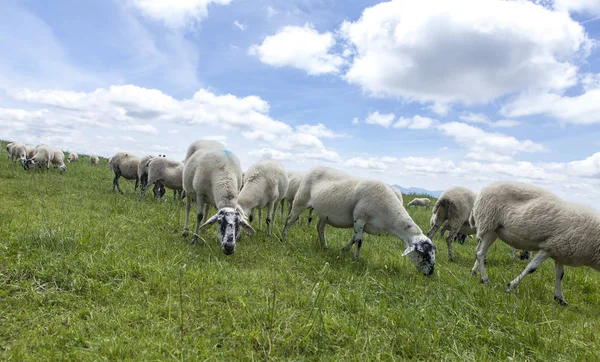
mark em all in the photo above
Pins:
pixel 418 93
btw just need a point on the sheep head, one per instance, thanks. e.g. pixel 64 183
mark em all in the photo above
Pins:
pixel 230 222
pixel 422 253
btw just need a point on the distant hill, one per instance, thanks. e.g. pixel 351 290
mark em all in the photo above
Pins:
pixel 417 190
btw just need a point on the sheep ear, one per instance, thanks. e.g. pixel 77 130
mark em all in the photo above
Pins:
pixel 209 222
pixel 246 226
pixel 408 250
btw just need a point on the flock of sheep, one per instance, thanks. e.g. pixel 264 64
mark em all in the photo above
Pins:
pixel 527 218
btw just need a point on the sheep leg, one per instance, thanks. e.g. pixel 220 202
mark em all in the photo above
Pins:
pixel 559 270
pixel 292 218
pixel 530 268
pixel 259 219
pixel 432 231
pixel 271 211
pixel 485 241
pixel 188 208
pixel 116 181
pixel 282 208
pixel 137 181
pixel 359 227
pixel 199 217
pixel 206 209
pixel 310 217
pixel 321 231
pixel 449 241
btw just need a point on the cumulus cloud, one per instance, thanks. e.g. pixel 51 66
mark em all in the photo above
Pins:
pixel 319 130
pixel 434 51
pixel 178 13
pixel 376 163
pixel 482 118
pixel 301 47
pixel 578 6
pixel 580 109
pixel 415 122
pixel 383 120
pixel 487 146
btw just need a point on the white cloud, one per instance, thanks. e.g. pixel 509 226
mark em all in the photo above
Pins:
pixel 239 25
pixel 319 130
pixel 434 51
pixel 271 11
pixel 383 120
pixel 376 163
pixel 176 13
pixel 355 121
pixel 505 123
pixel 578 6
pixel 487 146
pixel 482 118
pixel 416 122
pixel 301 47
pixel 580 109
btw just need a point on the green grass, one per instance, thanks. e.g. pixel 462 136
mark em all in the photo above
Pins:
pixel 86 274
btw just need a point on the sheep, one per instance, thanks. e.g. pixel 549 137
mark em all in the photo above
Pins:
pixel 94 160
pixel 143 170
pixel 214 177
pixel 18 152
pixel 58 160
pixel 167 172
pixel 530 218
pixel 126 165
pixel 73 157
pixel 346 201
pixel 30 150
pixel 294 179
pixel 451 211
pixel 44 154
pixel 203 145
pixel 419 202
pixel 8 149
pixel 266 184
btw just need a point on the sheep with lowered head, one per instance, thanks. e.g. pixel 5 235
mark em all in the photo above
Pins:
pixel 528 217
pixel 43 155
pixel 346 201
pixel 18 152
pixel 73 157
pixel 265 185
pixel 94 160
pixel 214 177
pixel 168 173
pixel 124 164
pixel 58 160
pixel 423 201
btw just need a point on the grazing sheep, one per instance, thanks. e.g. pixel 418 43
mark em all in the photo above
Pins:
pixel 419 202
pixel 158 190
pixel 18 152
pixel 30 150
pixel 168 172
pixel 214 177
pixel 94 160
pixel 530 218
pixel 451 211
pixel 43 155
pixel 266 184
pixel 8 149
pixel 294 180
pixel 124 164
pixel 58 160
pixel 203 145
pixel 73 157
pixel 346 201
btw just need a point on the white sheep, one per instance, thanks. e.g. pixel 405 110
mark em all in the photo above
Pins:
pixel 265 185
pixel 94 160
pixel 214 177
pixel 167 173
pixel 18 152
pixel 202 145
pixel 451 212
pixel 423 201
pixel 8 149
pixel 58 160
pixel 124 164
pixel 43 155
pixel 530 218
pixel 346 201
pixel 73 157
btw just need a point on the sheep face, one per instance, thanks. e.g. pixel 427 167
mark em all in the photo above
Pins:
pixel 422 254
pixel 230 223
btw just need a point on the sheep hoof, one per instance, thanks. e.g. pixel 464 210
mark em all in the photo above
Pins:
pixel 194 239
pixel 185 232
pixel 473 272
pixel 561 301
pixel 484 281
pixel 525 255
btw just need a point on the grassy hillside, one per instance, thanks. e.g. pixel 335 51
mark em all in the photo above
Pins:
pixel 86 274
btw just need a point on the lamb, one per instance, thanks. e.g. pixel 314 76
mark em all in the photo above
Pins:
pixel 73 157
pixel 94 160
pixel 126 165
pixel 530 218
pixel 451 211
pixel 44 154
pixel 419 202
pixel 167 173
pixel 203 145
pixel 266 184
pixel 215 176
pixel 58 160
pixel 346 201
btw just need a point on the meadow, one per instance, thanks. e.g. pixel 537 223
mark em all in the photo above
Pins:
pixel 88 274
